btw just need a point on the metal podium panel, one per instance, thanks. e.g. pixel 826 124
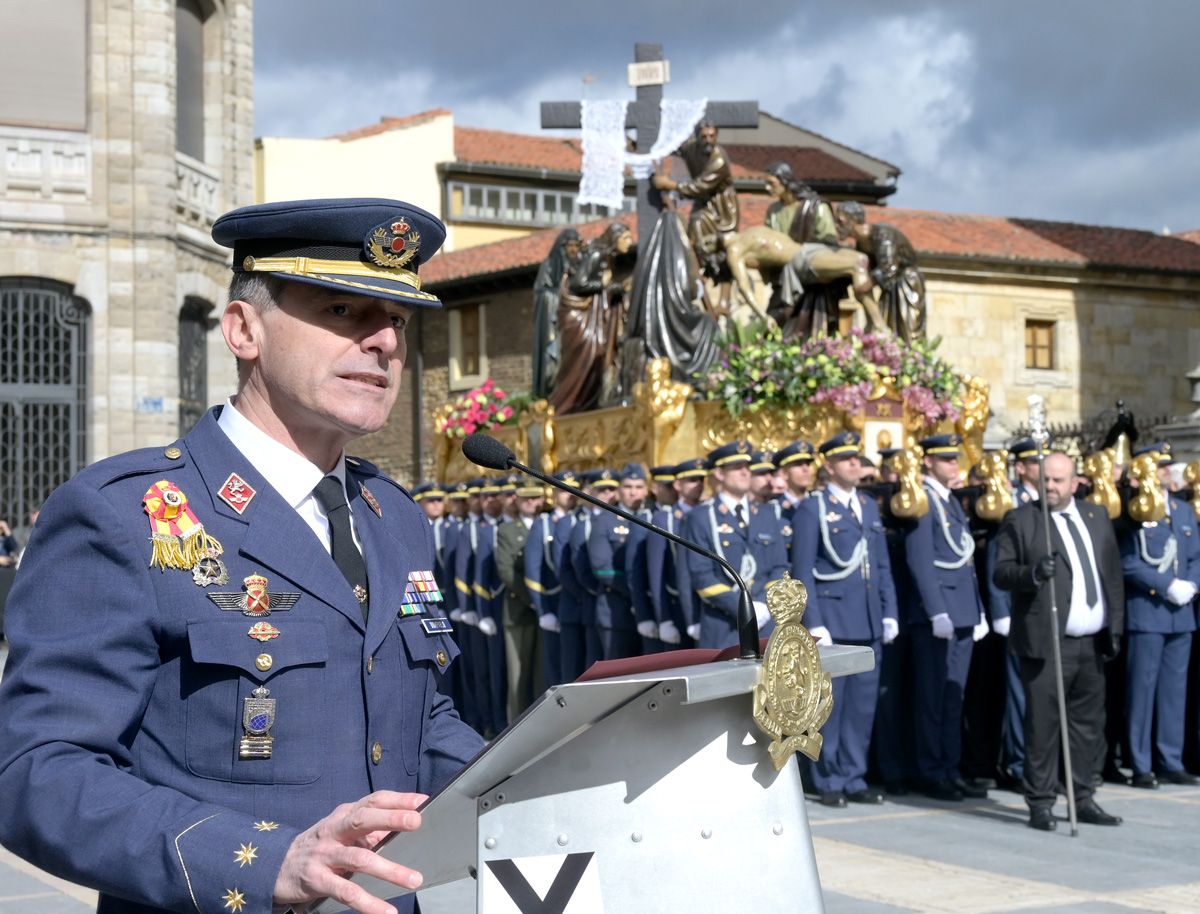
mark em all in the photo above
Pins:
pixel 590 758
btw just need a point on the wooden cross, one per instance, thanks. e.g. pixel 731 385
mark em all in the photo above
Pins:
pixel 645 116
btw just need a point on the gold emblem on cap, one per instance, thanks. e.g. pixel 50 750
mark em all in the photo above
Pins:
pixel 794 696
pixel 394 246
pixel 248 264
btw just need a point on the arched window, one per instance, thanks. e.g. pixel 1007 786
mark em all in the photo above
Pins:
pixel 194 324
pixel 43 391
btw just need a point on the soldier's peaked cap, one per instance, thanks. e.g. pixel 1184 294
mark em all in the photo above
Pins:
pixel 356 245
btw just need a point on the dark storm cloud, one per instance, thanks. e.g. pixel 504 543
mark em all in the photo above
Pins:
pixel 1077 109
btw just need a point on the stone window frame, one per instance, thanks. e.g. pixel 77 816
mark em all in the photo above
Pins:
pixel 458 380
pixel 565 210
pixel 1066 334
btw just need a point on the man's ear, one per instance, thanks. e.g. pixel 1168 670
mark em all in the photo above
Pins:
pixel 241 325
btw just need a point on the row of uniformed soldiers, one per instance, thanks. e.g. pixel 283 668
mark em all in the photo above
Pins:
pixel 537 596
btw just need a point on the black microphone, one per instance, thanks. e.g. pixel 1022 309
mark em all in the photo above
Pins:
pixel 485 451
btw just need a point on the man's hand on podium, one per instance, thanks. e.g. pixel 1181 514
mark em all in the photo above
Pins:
pixel 487 625
pixel 342 843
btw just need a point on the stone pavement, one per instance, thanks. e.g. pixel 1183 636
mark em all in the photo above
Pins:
pixel 912 854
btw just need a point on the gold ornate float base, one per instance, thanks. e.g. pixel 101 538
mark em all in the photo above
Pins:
pixel 663 425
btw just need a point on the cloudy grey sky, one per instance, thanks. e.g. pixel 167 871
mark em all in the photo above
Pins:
pixel 1079 110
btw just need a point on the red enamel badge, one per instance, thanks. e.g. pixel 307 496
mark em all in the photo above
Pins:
pixel 237 493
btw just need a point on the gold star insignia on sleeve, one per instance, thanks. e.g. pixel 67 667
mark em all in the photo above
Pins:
pixel 235 900
pixel 246 855
pixel 266 826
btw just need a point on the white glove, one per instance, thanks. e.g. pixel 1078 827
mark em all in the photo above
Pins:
pixel 669 633
pixel 981 629
pixel 891 628
pixel 1181 592
pixel 821 633
pixel 456 615
pixel 648 629
pixel 761 613
pixel 942 626
pixel 694 631
pixel 549 622
pixel 470 617
pixel 487 625
pixel 1002 626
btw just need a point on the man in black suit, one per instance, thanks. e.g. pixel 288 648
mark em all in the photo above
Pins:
pixel 1083 565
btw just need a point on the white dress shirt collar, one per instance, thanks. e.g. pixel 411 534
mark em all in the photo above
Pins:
pixel 732 503
pixel 937 487
pixel 290 474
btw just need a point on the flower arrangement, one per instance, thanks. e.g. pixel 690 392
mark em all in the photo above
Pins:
pixel 769 372
pixel 485 407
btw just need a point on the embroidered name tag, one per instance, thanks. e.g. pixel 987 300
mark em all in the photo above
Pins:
pixel 437 626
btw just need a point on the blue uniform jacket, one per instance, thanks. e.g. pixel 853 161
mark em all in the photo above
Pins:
pixel 581 566
pixel 573 596
pixel 486 584
pixel 853 607
pixel 714 527
pixel 607 543
pixel 1147 608
pixel 664 591
pixel 541 570
pixel 942 589
pixel 464 564
pixel 121 709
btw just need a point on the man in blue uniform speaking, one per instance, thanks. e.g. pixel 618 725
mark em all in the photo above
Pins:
pixel 222 685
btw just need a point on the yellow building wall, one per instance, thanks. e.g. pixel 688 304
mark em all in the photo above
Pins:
pixel 400 163
pixel 1111 342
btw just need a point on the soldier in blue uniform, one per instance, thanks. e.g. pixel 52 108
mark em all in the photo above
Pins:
pixel 603 484
pixel 478 699
pixel 241 636
pixel 488 590
pixel 637 568
pixel 798 466
pixel 431 497
pixel 541 576
pixel 607 542
pixel 944 622
pixel 574 597
pixel 680 607
pixel 1162 573
pixel 840 553
pixel 746 535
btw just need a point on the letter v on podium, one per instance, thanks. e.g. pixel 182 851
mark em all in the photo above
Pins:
pixel 554 884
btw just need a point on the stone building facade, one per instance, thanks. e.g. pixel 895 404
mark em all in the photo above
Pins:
pixel 109 281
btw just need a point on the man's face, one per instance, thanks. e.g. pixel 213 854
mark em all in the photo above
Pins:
pixel 633 493
pixel 943 469
pixel 493 505
pixel 760 486
pixel 778 483
pixel 844 471
pixel 1028 472
pixel 572 249
pixel 708 138
pixel 474 504
pixel 774 187
pixel 1164 478
pixel 528 505
pixel 433 507
pixel 509 500
pixel 690 490
pixel 799 476
pixel 735 479
pixel 325 366
pixel 458 507
pixel 664 493
pixel 624 242
pixel 563 500
pixel 607 494
pixel 1060 481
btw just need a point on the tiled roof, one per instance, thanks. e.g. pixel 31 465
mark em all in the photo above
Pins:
pixel 989 238
pixel 391 123
pixel 496 147
pixel 1193 235
pixel 807 163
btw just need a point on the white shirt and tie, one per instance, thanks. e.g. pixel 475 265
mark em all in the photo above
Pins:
pixel 1086 615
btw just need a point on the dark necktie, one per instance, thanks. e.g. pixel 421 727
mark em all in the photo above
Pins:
pixel 1085 563
pixel 332 498
pixel 741 517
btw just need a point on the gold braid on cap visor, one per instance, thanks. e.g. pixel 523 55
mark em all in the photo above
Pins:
pixel 335 271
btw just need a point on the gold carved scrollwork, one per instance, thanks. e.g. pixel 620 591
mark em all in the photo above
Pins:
pixel 660 402
pixel 973 419
pixel 1098 468
pixel 1191 475
pixel 1149 504
pixel 911 500
pixel 997 499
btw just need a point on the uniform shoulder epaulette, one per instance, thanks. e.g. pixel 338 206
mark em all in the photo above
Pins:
pixel 146 460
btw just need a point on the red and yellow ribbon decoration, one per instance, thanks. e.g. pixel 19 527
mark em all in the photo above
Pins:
pixel 179 538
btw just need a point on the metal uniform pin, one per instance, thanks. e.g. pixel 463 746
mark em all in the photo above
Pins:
pixel 257 600
pixel 258 716
pixel 210 570
pixel 370 499
pixel 237 493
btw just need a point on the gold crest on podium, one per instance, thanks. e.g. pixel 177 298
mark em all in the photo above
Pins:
pixel 794 697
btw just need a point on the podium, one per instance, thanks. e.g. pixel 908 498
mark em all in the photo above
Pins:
pixel 651 791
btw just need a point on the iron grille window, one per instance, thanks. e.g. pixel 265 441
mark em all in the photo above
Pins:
pixel 194 325
pixel 43 391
